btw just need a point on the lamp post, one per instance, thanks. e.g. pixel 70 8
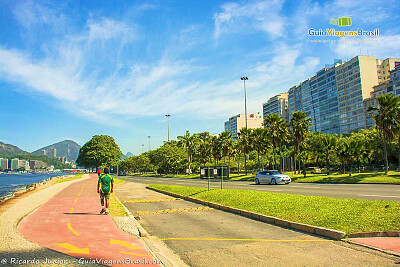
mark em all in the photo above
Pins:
pixel 149 141
pixel 244 79
pixel 142 148
pixel 168 115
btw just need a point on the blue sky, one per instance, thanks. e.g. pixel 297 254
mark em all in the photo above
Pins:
pixel 73 69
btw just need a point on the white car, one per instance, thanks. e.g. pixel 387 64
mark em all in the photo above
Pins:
pixel 272 177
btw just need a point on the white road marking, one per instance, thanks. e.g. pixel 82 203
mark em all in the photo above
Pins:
pixel 377 196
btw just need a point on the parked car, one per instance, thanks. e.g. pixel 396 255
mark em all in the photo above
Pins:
pixel 271 177
pixel 313 170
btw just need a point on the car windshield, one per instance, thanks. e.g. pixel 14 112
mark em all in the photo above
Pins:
pixel 275 172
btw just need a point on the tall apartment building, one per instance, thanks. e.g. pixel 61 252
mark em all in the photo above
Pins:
pixel 24 164
pixel 277 104
pixel 3 164
pixel 334 97
pixel 53 153
pixel 236 123
pixel 14 164
pixel 392 86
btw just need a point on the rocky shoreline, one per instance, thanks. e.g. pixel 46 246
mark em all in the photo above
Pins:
pixel 31 187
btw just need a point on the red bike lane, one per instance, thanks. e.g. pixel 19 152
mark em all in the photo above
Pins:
pixel 71 224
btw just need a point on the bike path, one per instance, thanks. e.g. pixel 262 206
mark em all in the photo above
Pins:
pixel 70 223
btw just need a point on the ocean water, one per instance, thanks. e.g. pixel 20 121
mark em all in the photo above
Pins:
pixel 10 183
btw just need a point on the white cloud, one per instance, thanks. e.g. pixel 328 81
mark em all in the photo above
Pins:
pixel 106 28
pixel 40 76
pixel 251 16
pixel 381 47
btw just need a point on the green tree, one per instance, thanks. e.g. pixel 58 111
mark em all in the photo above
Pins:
pixel 216 149
pixel 299 125
pixel 277 130
pixel 189 142
pixel 352 148
pixel 101 150
pixel 330 144
pixel 259 140
pixel 226 142
pixel 387 118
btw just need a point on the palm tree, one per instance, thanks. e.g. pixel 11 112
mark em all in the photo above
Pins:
pixel 245 135
pixel 353 148
pixel 204 151
pixel 226 140
pixel 300 125
pixel 189 142
pixel 387 121
pixel 277 131
pixel 259 142
pixel 330 143
pixel 216 149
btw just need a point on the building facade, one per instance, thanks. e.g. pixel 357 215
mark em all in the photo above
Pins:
pixel 4 164
pixel 236 123
pixel 337 97
pixel 53 152
pixel 277 104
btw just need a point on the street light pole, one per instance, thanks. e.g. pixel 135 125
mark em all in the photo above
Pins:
pixel 244 79
pixel 168 115
pixel 142 148
pixel 149 141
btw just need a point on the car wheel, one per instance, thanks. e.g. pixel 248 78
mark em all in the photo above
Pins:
pixel 273 181
pixel 257 181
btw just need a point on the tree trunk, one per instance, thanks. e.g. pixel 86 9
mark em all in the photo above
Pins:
pixel 304 169
pixel 273 148
pixel 386 156
pixel 238 163
pixel 350 167
pixel 398 168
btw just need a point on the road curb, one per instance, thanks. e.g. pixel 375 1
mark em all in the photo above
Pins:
pixel 325 232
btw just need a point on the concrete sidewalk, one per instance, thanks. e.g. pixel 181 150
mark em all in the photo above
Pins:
pixel 71 224
pixel 383 243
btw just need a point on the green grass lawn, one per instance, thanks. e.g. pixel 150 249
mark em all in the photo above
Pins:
pixel 368 177
pixel 62 180
pixel 115 208
pixel 348 215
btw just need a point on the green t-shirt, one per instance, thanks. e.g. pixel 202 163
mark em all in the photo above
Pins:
pixel 105 181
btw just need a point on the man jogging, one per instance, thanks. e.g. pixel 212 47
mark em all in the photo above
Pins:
pixel 105 187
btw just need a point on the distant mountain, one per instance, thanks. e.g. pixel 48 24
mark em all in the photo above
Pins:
pixel 66 148
pixel 10 150
pixel 129 154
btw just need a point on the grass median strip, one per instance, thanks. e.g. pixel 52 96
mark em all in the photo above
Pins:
pixel 347 215
pixel 356 178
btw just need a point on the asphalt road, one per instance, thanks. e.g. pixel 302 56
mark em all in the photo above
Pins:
pixel 207 237
pixel 363 191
